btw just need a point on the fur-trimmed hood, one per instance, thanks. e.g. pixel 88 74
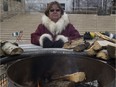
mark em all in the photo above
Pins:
pixel 58 27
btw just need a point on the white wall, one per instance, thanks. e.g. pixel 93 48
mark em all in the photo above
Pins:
pixel 36 4
pixel 68 3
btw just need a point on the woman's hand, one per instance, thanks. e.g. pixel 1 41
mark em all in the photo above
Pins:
pixel 46 41
pixel 61 37
pixel 59 41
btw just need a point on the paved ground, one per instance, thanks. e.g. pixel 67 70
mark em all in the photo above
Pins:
pixel 28 23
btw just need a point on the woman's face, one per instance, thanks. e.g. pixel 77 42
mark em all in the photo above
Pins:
pixel 54 13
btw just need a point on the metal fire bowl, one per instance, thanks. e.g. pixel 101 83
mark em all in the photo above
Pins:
pixel 39 66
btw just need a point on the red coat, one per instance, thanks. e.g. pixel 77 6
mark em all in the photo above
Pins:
pixel 62 28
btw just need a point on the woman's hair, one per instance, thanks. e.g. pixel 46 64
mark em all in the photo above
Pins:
pixel 50 6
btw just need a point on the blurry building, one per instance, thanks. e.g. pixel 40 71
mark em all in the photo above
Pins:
pixel 113 9
pixel 9 8
pixel 40 5
pixel 101 7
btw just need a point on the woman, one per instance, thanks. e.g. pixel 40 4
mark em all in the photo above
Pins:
pixel 55 28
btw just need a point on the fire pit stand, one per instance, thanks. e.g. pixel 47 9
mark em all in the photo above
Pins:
pixel 31 54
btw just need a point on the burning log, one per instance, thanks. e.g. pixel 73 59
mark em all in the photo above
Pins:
pixel 60 83
pixel 75 77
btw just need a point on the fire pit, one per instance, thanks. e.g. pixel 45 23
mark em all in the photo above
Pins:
pixel 40 68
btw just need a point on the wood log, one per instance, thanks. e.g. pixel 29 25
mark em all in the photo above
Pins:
pixel 102 49
pixel 91 51
pixel 81 47
pixel 58 83
pixel 105 37
pixel 103 54
pixel 98 45
pixel 73 43
pixel 1 52
pixel 11 49
pixel 111 49
pixel 75 77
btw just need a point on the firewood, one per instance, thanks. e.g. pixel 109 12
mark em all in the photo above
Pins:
pixel 59 83
pixel 73 43
pixel 81 47
pixel 67 45
pixel 103 54
pixel 75 77
pixel 98 45
pixel 111 49
pixel 11 49
pixel 105 37
pixel 1 52
pixel 91 51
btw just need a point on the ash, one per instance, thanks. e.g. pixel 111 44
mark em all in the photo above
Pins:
pixel 88 84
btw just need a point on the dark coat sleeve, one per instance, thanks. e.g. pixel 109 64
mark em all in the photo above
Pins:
pixel 36 35
pixel 71 32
